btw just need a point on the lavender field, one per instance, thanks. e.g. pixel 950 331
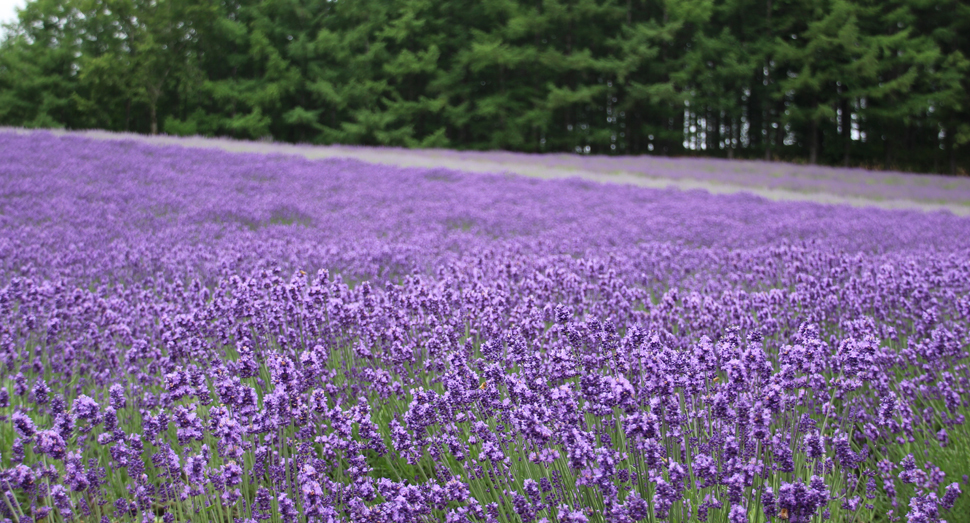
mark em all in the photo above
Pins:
pixel 196 335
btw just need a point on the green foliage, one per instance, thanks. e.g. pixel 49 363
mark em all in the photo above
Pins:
pixel 853 82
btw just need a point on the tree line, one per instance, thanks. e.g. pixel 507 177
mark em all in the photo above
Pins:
pixel 874 83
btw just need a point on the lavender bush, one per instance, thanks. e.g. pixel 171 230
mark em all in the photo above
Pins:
pixel 191 335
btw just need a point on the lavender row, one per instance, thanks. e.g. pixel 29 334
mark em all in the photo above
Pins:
pixel 878 185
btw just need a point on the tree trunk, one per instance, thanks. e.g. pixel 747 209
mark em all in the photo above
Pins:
pixel 846 124
pixel 768 127
pixel 951 150
pixel 711 133
pixel 768 133
pixel 232 106
pixel 780 130
pixel 756 115
pixel 153 117
pixel 717 132
pixel 813 143
pixel 502 117
pixel 155 92
pixel 632 139
pixel 536 83
pixel 887 143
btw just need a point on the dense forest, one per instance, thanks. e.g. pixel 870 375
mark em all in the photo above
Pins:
pixel 873 83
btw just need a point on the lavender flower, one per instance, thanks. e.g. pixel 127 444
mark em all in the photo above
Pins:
pixel 87 409
pixel 24 424
pixel 50 442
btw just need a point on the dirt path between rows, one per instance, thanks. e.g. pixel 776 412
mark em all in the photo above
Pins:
pixel 402 158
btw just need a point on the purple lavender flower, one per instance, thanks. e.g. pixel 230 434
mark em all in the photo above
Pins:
pixel 950 496
pixel 75 476
pixel 50 442
pixel 86 408
pixel 117 393
pixel 230 476
pixel 814 446
pixel 571 516
pixel 768 503
pixel 22 477
pixel 20 384
pixel 41 392
pixel 705 470
pixel 62 501
pixel 262 505
pixel 23 424
pixel 738 514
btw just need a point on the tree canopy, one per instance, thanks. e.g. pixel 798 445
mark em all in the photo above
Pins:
pixel 874 83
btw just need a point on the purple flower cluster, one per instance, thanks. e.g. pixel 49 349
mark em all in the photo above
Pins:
pixel 196 336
